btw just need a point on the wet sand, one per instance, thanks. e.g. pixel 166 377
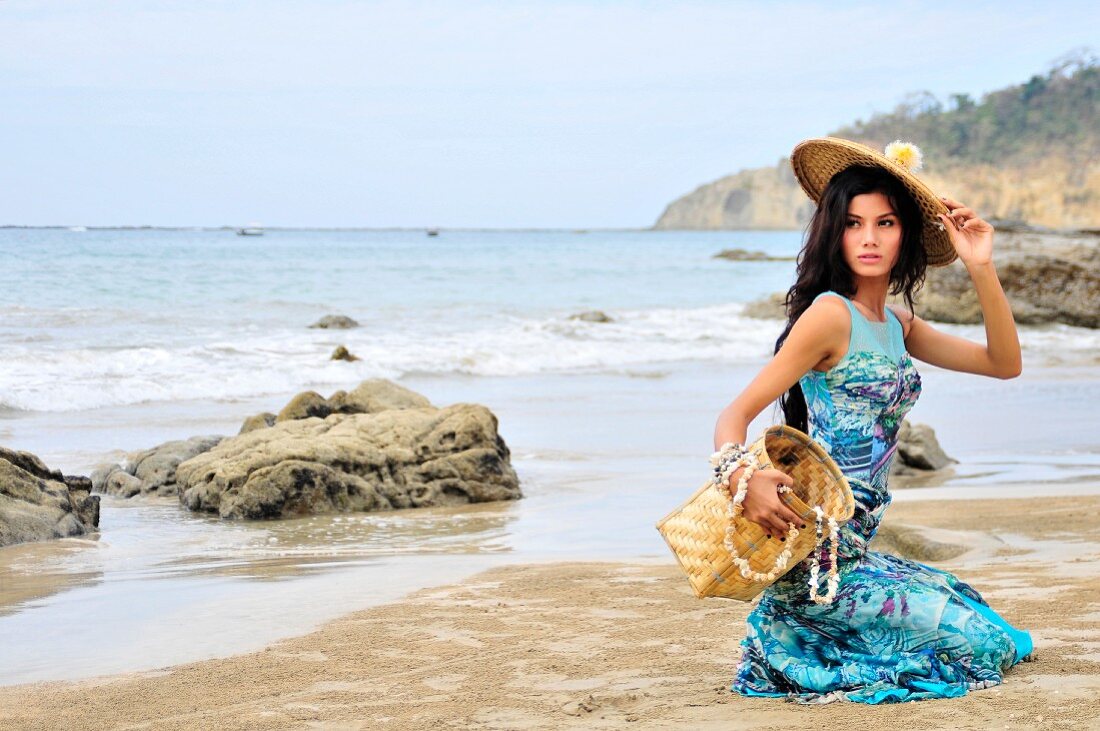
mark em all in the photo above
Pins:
pixel 614 645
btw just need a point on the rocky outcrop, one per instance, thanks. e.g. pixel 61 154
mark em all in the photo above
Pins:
pixel 374 395
pixel 401 457
pixel 37 503
pixel 761 198
pixel 305 405
pixel 746 255
pixel 379 446
pixel 259 421
pixel 1059 192
pixel 335 322
pixel 591 316
pixel 342 353
pixel 1047 277
pixel 152 471
pixel 370 396
pixel 772 307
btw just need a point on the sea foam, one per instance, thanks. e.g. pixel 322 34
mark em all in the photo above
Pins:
pixel 288 360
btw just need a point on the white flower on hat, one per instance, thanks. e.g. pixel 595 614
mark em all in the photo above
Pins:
pixel 905 154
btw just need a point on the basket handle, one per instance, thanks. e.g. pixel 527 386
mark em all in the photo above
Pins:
pixel 781 560
pixel 742 564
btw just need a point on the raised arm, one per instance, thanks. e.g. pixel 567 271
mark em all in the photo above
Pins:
pixel 1000 357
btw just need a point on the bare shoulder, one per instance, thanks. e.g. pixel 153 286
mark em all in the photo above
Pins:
pixel 817 340
pixel 823 328
pixel 829 314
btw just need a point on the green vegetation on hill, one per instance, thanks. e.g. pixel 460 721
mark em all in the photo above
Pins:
pixel 1053 113
pixel 1029 152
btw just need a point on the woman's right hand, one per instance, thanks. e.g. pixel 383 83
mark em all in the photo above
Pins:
pixel 762 504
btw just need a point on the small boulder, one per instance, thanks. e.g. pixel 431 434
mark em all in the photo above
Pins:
pixel 259 421
pixel 122 484
pixel 37 503
pixel 150 471
pixel 335 322
pixel 746 255
pixel 305 405
pixel 918 447
pixel 591 316
pixel 342 353
pixel 101 474
pixel 374 395
pixel 156 467
pixel 772 307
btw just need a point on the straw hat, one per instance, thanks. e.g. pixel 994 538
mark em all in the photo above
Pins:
pixel 817 160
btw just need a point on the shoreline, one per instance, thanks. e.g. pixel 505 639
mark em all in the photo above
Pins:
pixel 591 450
pixel 534 411
pixel 612 645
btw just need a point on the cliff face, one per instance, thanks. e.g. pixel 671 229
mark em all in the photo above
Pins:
pixel 1028 153
pixel 759 198
pixel 1054 192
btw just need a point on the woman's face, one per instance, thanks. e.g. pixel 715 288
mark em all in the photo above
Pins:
pixel 872 235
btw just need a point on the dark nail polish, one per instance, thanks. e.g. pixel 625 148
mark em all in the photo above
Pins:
pixel 769 536
pixel 803 525
pixel 783 539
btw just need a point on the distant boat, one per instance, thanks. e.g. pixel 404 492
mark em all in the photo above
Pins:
pixel 433 232
pixel 78 229
pixel 252 229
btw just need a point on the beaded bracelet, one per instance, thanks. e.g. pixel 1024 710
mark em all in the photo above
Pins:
pixel 726 461
pixel 727 454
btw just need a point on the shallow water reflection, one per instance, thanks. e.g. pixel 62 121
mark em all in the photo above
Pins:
pixel 164 586
pixel 33 571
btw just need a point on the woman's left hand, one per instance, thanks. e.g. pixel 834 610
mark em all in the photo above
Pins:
pixel 971 236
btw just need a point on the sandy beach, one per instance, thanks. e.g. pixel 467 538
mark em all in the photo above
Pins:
pixel 350 354
pixel 613 645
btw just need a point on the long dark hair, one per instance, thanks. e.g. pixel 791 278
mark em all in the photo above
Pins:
pixel 821 266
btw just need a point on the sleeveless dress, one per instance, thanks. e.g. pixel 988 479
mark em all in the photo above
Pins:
pixel 897 630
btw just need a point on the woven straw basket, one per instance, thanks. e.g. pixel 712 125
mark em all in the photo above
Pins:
pixel 696 531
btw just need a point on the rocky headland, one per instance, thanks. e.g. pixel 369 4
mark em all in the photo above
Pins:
pixel 1026 152
pixel 1054 193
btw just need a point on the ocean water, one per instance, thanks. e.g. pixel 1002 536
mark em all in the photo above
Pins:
pixel 106 318
pixel 112 341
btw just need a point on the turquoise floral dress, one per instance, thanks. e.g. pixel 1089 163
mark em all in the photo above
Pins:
pixel 898 630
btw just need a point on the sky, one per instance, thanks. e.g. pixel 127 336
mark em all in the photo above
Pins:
pixel 466 113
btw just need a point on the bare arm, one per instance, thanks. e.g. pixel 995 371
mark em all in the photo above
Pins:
pixel 820 332
pixel 1000 357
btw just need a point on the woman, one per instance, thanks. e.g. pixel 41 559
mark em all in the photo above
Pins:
pixel 896 630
